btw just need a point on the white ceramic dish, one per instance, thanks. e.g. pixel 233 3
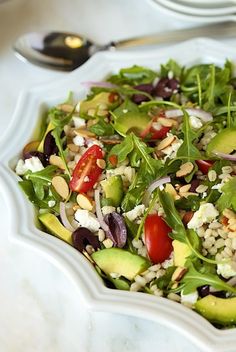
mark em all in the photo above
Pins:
pixel 22 227
pixel 163 6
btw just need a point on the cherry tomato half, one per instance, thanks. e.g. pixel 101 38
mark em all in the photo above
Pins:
pixel 204 165
pixel 86 172
pixel 158 243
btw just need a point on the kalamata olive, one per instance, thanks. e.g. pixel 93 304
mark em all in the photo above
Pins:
pixel 49 146
pixel 82 236
pixel 41 156
pixel 117 229
pixel 166 87
pixel 139 98
pixel 194 185
pixel 206 290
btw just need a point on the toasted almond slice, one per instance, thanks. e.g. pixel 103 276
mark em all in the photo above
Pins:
pixel 57 161
pixel 178 273
pixel 76 207
pixel 91 112
pixel 110 141
pixel 165 122
pixel 84 133
pixel 184 188
pixel 187 194
pixel 61 186
pixel 84 202
pixel 185 169
pixel 73 147
pixel 66 107
pixel 101 163
pixel 165 142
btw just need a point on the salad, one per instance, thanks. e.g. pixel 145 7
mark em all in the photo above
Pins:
pixel 140 177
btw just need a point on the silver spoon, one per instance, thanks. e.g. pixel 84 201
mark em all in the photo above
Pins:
pixel 67 51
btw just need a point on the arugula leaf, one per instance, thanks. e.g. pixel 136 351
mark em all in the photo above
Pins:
pixel 171 66
pixel 123 149
pixel 59 118
pixel 133 75
pixel 56 133
pixel 228 197
pixel 102 128
pixel 164 282
pixel 44 175
pixel 194 279
pixel 187 150
pixel 189 203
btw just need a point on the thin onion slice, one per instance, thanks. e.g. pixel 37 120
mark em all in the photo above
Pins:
pixel 102 223
pixel 203 115
pixel 64 218
pixel 232 281
pixel 104 84
pixel 155 184
pixel 225 156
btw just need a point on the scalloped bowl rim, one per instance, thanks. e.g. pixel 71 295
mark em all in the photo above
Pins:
pixel 90 287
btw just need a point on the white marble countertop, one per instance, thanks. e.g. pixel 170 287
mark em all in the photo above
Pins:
pixel 40 309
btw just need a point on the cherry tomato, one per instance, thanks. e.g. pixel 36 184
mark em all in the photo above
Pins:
pixel 153 132
pixel 158 243
pixel 86 172
pixel 204 165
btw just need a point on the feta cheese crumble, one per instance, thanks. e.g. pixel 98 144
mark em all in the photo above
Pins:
pixel 205 214
pixel 78 122
pixel 78 140
pixel 225 270
pixel 33 164
pixel 87 219
pixel 135 213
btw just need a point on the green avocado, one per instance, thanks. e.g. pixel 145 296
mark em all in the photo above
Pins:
pixel 181 252
pixel 120 261
pixel 54 226
pixel 113 188
pixel 49 128
pixel 223 142
pixel 131 122
pixel 94 103
pixel 217 310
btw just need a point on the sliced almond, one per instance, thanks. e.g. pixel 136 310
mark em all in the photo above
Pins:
pixel 61 186
pixel 91 112
pixel 178 273
pixel 184 188
pixel 165 122
pixel 66 107
pixel 84 133
pixel 57 161
pixel 110 141
pixel 165 142
pixel 101 163
pixel 73 148
pixel 85 202
pixel 187 194
pixel 76 207
pixel 185 169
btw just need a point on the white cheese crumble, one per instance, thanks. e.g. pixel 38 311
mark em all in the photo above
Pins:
pixel 195 122
pixel 51 203
pixel 205 214
pixel 87 219
pixel 171 151
pixel 225 270
pixel 78 140
pixel 135 213
pixel 189 299
pixel 78 122
pixel 33 164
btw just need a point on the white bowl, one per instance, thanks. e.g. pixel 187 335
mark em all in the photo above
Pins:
pixel 22 226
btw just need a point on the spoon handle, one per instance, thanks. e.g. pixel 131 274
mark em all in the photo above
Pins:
pixel 223 29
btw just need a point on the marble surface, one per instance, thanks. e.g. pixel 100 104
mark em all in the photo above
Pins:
pixel 40 308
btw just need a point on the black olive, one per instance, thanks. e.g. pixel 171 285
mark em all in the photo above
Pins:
pixel 166 87
pixel 117 229
pixel 49 146
pixel 82 237
pixel 139 98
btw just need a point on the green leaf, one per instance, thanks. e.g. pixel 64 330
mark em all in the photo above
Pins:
pixel 194 279
pixel 59 118
pixel 228 197
pixel 56 133
pixel 123 149
pixel 133 75
pixel 102 128
pixel 164 282
pixel 171 66
pixel 44 175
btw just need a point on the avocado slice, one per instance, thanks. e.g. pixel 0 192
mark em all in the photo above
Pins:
pixel 131 122
pixel 49 128
pixel 217 310
pixel 181 252
pixel 54 226
pixel 223 142
pixel 120 261
pixel 98 99
pixel 113 188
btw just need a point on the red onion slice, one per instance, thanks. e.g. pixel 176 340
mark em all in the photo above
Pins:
pixel 203 115
pixel 155 184
pixel 64 218
pixel 104 84
pixel 102 223
pixel 225 156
